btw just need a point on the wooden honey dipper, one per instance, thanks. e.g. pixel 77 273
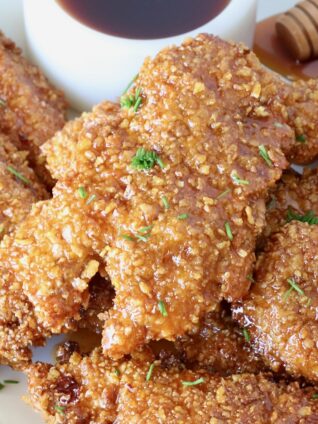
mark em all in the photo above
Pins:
pixel 298 30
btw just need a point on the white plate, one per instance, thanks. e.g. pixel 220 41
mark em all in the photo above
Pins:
pixel 12 409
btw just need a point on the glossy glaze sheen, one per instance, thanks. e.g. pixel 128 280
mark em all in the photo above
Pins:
pixel 144 19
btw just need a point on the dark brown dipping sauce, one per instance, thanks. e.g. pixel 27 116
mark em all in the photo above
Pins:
pixel 272 53
pixel 144 19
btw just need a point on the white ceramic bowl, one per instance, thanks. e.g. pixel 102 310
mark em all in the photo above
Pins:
pixel 91 66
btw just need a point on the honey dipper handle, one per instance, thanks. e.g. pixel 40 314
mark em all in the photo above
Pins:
pixel 298 30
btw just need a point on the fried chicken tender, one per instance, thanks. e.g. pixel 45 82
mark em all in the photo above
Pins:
pixel 175 228
pixel 31 110
pixel 17 194
pixel 93 389
pixel 219 347
pixel 294 196
pixel 280 310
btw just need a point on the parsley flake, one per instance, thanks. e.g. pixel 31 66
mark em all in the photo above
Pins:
pixel 165 202
pixel 246 335
pixel 150 371
pixel 130 84
pixel 223 194
pixel 183 216
pixel 3 103
pixel 162 308
pixel 11 382
pixel 295 287
pixel 193 383
pixel 250 278
pixel 127 237
pixel 308 217
pixel 91 199
pixel 117 372
pixel 146 229
pixel 60 409
pixel 237 180
pixel 301 138
pixel 142 237
pixel 145 160
pixel 228 231
pixel 82 192
pixel 18 175
pixel 315 396
pixel 264 154
pixel 128 101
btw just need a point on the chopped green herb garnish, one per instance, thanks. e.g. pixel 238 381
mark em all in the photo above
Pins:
pixel 165 202
pixel 130 84
pixel 295 286
pixel 228 231
pixel 246 335
pixel 60 409
pixel 117 372
pixel 162 308
pixel 144 237
pixel 82 192
pixel 149 373
pixel 309 217
pixel 145 229
pixel 238 180
pixel 315 396
pixel 223 194
pixel 146 159
pixel 301 138
pixel 183 216
pixel 264 154
pixel 127 237
pixel 250 278
pixel 18 175
pixel 11 382
pixel 3 103
pixel 2 386
pixel 193 383
pixel 91 199
pixel 129 101
pixel 287 294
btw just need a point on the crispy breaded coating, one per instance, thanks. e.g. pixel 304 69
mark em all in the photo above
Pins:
pixel 280 310
pixel 93 389
pixel 301 101
pixel 31 110
pixel 294 196
pixel 219 347
pixel 177 234
pixel 19 187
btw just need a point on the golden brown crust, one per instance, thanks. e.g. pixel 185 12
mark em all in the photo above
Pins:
pixel 94 389
pixel 16 196
pixel 281 319
pixel 302 110
pixel 31 110
pixel 295 193
pixel 189 264
pixel 219 347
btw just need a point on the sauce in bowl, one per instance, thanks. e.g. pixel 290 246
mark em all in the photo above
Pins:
pixel 144 19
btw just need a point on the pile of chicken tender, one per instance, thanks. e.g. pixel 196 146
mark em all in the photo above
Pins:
pixel 171 226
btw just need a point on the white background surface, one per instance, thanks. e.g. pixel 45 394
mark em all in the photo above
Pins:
pixel 12 409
